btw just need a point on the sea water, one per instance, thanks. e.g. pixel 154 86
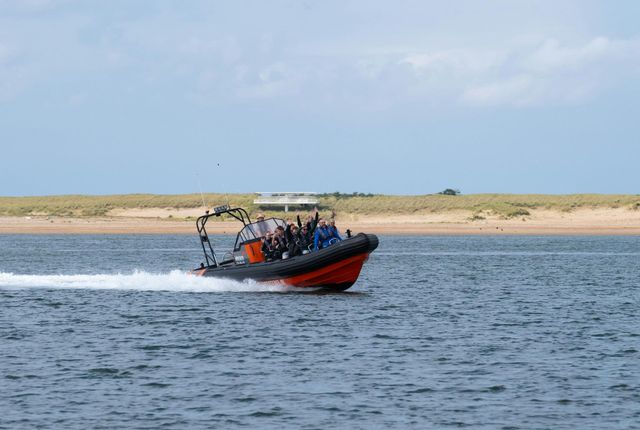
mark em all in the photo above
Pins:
pixel 439 332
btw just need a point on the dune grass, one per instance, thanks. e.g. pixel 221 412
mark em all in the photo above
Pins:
pixel 506 205
pixel 92 206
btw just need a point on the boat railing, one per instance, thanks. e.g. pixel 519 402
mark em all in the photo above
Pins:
pixel 207 248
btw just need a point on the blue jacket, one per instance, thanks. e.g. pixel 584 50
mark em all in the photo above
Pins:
pixel 333 232
pixel 322 237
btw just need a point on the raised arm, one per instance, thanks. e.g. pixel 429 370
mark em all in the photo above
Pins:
pixel 314 224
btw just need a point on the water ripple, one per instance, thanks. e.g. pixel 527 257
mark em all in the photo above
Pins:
pixel 477 332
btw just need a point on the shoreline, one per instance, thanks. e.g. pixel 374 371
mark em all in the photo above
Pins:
pixel 589 222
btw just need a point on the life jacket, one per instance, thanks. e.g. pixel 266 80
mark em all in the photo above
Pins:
pixel 267 249
pixel 279 246
pixel 333 232
pixel 304 240
pixel 322 238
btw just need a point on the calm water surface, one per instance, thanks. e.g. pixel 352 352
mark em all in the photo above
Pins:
pixel 439 332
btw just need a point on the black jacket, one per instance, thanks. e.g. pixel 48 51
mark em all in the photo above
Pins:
pixel 311 227
pixel 297 242
pixel 268 250
pixel 279 244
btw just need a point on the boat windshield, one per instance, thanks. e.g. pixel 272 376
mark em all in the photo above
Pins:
pixel 258 229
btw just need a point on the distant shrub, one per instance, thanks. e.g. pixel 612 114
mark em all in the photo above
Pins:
pixel 94 211
pixel 517 212
pixel 450 192
pixel 338 195
pixel 477 217
pixel 523 204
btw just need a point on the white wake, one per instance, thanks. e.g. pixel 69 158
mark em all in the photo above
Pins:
pixel 141 281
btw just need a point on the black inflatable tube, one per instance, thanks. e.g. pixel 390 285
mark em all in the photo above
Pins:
pixel 278 269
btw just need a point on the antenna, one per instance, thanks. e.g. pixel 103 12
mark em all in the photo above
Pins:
pixel 226 195
pixel 204 205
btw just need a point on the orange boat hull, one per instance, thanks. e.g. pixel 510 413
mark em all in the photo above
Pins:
pixel 336 276
pixel 334 268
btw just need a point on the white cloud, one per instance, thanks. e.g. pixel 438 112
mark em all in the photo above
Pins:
pixel 526 74
pixel 517 90
pixel 551 56
pixel 553 73
pixel 209 59
pixel 455 63
pixel 273 80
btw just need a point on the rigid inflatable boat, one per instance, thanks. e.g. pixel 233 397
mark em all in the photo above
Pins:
pixel 334 268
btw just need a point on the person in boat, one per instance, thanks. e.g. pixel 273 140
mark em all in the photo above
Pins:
pixel 279 242
pixel 298 238
pixel 259 227
pixel 306 229
pixel 293 239
pixel 322 236
pixel 311 223
pixel 333 231
pixel 306 238
pixel 267 247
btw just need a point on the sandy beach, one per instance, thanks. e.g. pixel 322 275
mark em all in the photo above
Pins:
pixel 598 221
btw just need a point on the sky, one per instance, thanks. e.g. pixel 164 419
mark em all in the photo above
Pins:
pixel 396 97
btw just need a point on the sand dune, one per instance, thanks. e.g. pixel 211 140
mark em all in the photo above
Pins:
pixel 598 221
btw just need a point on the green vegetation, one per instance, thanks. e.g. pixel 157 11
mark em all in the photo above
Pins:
pixel 339 195
pixel 477 217
pixel 506 205
pixel 516 213
pixel 499 204
pixel 91 206
pixel 450 192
